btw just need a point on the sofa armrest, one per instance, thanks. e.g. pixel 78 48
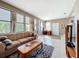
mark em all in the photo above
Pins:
pixel 15 44
pixel 2 50
pixel 2 47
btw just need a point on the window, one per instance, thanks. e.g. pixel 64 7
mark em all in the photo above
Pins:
pixel 41 26
pixel 19 23
pixel 4 21
pixel 35 23
pixel 27 20
pixel 55 28
pixel 27 27
pixel 48 26
pixel 27 23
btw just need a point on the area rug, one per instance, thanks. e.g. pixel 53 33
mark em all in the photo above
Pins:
pixel 45 52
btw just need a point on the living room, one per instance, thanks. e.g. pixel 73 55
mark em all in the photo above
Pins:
pixel 39 28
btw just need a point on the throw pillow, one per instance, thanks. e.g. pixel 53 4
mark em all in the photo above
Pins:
pixel 2 38
pixel 7 42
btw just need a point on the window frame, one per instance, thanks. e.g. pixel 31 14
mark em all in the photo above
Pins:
pixel 26 24
pixel 13 20
pixel 7 20
pixel 20 23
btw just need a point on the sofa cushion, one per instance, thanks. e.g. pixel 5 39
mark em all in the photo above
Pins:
pixel 19 35
pixel 13 45
pixel 2 47
pixel 2 38
pixel 25 40
pixel 30 34
pixel 7 42
pixel 26 34
pixel 22 40
pixel 17 43
pixel 2 50
pixel 11 36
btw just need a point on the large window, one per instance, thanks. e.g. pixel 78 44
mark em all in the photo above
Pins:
pixel 41 26
pixel 55 28
pixel 27 23
pixel 48 26
pixel 19 23
pixel 35 23
pixel 4 21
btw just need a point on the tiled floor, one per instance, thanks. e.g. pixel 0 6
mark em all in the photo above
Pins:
pixel 58 44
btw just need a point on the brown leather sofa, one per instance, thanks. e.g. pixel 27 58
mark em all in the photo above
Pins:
pixel 17 40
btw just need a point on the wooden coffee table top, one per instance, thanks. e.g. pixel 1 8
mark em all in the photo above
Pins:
pixel 26 48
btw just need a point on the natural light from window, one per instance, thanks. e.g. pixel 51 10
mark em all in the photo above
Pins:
pixel 4 21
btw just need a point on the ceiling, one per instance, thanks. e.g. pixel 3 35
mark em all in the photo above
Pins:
pixel 45 9
pixel 75 11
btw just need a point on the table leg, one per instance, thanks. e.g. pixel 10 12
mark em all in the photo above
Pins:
pixel 22 56
pixel 41 45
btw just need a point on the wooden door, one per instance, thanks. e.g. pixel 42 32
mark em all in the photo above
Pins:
pixel 77 38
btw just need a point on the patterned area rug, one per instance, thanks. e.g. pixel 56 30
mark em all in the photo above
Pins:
pixel 45 52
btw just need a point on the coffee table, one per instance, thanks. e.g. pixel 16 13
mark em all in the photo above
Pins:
pixel 26 49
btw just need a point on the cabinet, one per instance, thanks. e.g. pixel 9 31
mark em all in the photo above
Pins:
pixel 47 32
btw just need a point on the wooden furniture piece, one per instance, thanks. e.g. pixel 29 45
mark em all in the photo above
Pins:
pixel 47 32
pixel 77 38
pixel 70 51
pixel 26 49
